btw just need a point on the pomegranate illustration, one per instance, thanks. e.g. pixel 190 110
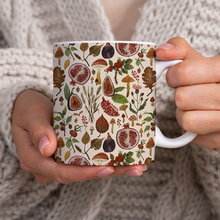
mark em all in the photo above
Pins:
pixel 127 49
pixel 79 160
pixel 79 73
pixel 127 138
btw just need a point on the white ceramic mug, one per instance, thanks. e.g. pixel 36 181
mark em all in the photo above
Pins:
pixel 104 103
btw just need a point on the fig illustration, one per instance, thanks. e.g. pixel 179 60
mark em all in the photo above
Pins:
pixel 102 125
pixel 109 144
pixel 108 87
pixel 74 102
pixel 108 51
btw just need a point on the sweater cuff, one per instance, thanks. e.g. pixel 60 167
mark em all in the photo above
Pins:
pixel 10 95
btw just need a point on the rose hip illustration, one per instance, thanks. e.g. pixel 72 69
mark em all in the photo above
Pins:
pixel 79 74
pixel 127 138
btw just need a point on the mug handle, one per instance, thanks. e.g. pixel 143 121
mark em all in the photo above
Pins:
pixel 161 140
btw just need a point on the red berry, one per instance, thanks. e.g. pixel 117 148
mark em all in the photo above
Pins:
pixel 140 146
pixel 118 65
pixel 140 55
pixel 111 163
pixel 110 68
pixel 119 158
pixel 73 133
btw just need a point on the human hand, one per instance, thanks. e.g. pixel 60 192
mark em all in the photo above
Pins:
pixel 36 142
pixel 196 83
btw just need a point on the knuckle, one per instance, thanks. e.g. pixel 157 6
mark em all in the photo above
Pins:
pixel 180 40
pixel 182 73
pixel 180 98
pixel 59 179
pixel 25 167
pixel 189 122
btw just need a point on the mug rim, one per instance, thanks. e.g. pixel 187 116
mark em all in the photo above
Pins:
pixel 106 41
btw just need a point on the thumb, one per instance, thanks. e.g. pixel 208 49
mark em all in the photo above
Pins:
pixel 35 115
pixel 43 137
pixel 176 48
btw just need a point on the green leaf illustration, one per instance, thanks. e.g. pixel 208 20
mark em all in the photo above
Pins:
pixel 147 128
pixel 67 52
pixel 112 157
pixel 63 112
pixel 73 48
pixel 110 63
pixel 69 119
pixel 74 140
pixel 154 114
pixel 57 118
pixel 128 67
pixel 124 70
pixel 138 62
pixel 95 50
pixel 148 119
pixel 96 143
pixel 66 92
pixel 143 105
pixel 117 98
pixel 129 160
pixel 54 101
pixel 128 61
pixel 119 89
pixel 130 154
pixel 69 143
pixel 132 110
pixel 56 127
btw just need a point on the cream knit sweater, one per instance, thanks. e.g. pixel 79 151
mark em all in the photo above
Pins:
pixel 182 184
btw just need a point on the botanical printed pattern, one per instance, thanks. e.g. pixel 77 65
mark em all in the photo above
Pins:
pixel 104 103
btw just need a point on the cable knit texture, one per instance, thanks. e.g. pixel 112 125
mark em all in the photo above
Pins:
pixel 181 184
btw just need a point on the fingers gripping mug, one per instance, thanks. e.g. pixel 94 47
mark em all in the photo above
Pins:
pixel 104 103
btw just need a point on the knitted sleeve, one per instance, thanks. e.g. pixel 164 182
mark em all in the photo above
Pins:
pixel 39 24
pixel 19 70
pixel 198 22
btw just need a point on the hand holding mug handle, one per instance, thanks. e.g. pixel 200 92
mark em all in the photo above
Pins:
pixel 161 140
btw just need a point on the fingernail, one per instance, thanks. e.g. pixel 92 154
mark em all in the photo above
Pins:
pixel 165 46
pixel 144 166
pixel 132 172
pixel 105 172
pixel 43 143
